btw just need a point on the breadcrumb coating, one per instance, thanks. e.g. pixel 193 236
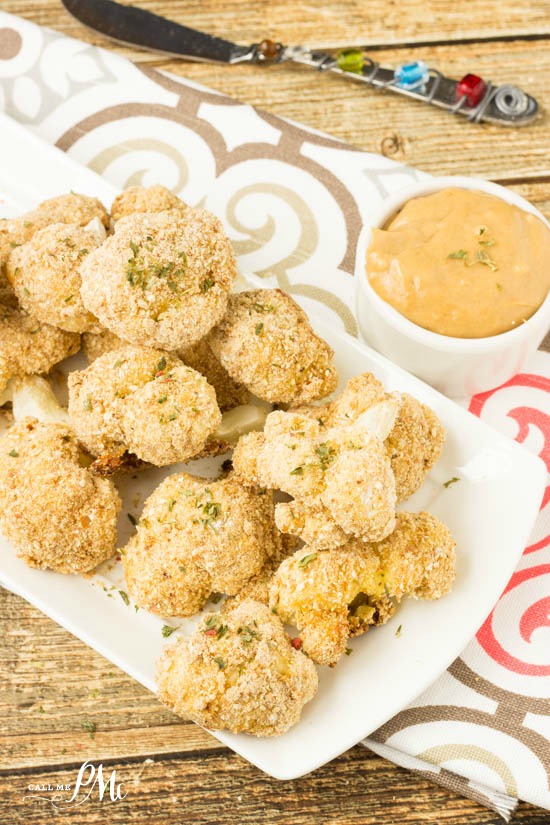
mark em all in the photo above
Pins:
pixel 415 441
pixel 342 473
pixel 155 198
pixel 45 275
pixel 29 347
pixel 71 208
pixel 162 279
pixel 228 392
pixel 265 342
pixel 199 356
pixel 198 537
pixel 334 594
pixel 257 588
pixel 414 445
pixel 314 591
pixel 240 674
pixel 314 525
pixel 55 511
pixel 95 344
pixel 418 558
pixel 144 401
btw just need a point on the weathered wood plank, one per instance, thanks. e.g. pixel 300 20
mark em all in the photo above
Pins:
pixel 341 22
pixel 218 789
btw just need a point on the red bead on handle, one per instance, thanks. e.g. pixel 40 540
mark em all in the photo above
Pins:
pixel 472 88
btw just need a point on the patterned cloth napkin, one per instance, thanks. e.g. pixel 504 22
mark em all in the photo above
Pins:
pixel 293 202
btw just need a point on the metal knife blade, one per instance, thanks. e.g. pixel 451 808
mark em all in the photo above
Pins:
pixel 142 28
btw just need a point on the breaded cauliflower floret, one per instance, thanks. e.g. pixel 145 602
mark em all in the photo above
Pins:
pixel 145 199
pixel 55 511
pixel 28 347
pixel 334 594
pixel 71 208
pixel 162 279
pixel 144 401
pixel 228 392
pixel 265 342
pixel 238 673
pixel 45 275
pixel 197 537
pixel 341 475
pixel 415 440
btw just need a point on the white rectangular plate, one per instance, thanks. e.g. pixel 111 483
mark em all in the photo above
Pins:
pixel 490 511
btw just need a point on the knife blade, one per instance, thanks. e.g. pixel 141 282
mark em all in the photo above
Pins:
pixel 139 27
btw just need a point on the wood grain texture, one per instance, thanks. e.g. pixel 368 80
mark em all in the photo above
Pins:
pixel 52 685
pixel 332 23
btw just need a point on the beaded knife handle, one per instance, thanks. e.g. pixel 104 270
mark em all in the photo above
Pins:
pixel 472 97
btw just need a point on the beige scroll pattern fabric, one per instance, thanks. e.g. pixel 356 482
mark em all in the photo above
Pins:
pixel 293 202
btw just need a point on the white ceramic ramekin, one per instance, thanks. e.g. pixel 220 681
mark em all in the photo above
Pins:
pixel 457 367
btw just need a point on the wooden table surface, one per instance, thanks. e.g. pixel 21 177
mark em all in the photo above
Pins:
pixel 55 691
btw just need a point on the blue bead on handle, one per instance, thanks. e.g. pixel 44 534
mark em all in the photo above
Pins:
pixel 412 75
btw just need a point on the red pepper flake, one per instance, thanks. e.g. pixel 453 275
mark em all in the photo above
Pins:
pixel 296 643
pixel 212 632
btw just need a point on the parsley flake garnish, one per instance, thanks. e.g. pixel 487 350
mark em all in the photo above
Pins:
pixel 167 630
pixel 452 480
pixel 306 560
pixel 90 727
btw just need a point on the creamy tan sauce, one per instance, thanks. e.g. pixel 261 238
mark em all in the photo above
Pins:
pixel 461 263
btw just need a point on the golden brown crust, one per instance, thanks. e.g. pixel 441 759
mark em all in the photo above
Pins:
pixel 229 393
pixel 334 594
pixel 71 208
pixel 145 199
pixel 56 512
pixel 95 344
pixel 162 279
pixel 144 401
pixel 265 342
pixel 239 674
pixel 28 347
pixel 45 275
pixel 414 445
pixel 196 537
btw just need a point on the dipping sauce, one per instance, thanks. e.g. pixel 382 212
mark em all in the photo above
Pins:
pixel 461 263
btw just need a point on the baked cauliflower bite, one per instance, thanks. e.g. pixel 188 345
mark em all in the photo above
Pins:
pixel 416 437
pixel 28 347
pixel 45 275
pixel 162 279
pixel 71 208
pixel 340 476
pixel 197 537
pixel 265 342
pixel 145 199
pixel 143 401
pixel 332 595
pixel 55 511
pixel 238 673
